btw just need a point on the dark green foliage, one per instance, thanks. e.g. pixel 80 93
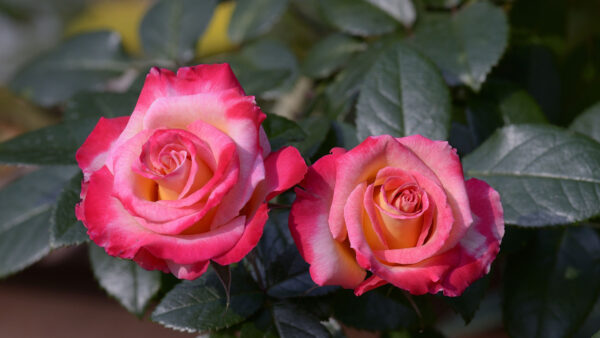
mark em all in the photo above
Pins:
pixel 545 175
pixel 252 18
pixel 25 217
pixel 65 229
pixel 124 280
pixel 80 63
pixel 403 94
pixel 171 28
pixel 552 285
pixel 202 304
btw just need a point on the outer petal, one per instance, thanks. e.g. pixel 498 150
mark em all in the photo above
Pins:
pixel 479 247
pixel 331 262
pixel 188 81
pixel 442 159
pixel 188 271
pixel 162 83
pixel 112 227
pixel 284 169
pixel 251 236
pixel 92 154
pixel 147 261
pixel 369 284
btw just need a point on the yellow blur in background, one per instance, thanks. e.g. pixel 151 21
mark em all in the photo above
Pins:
pixel 125 17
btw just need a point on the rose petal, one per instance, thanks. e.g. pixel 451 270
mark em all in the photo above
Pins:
pixel 172 217
pixel 91 156
pixel 112 227
pixel 188 249
pixel 452 271
pixel 373 225
pixel 443 160
pixel 285 168
pixel 135 191
pixel 188 271
pixel 362 163
pixel 481 243
pixel 369 284
pixel 162 83
pixel 401 230
pixel 437 235
pixel 147 261
pixel 331 262
pixel 251 236
pixel 109 224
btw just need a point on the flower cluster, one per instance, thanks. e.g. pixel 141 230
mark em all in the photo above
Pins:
pixel 185 180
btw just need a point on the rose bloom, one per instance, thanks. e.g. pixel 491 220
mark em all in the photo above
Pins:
pixel 400 209
pixel 185 179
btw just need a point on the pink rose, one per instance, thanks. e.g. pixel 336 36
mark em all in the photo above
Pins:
pixel 401 209
pixel 185 179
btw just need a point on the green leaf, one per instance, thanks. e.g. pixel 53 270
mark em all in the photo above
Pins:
pixel 282 132
pixel 65 229
pixel 342 92
pixel 545 175
pixel 266 68
pixel 25 212
pixel 316 128
pixel 552 285
pixel 55 144
pixel 96 105
pixel 589 328
pixel 588 123
pixel 345 134
pixel 276 237
pixel 357 17
pixel 501 104
pixel 403 94
pixel 124 280
pixel 372 311
pixel 292 321
pixel 249 330
pixel 224 275
pixel 171 28
pixel 201 304
pixel 443 3
pixel 261 326
pixel 461 138
pixel 534 67
pixel 288 277
pixel 468 303
pixel 83 62
pixel 401 10
pixel 252 18
pixel 283 269
pixel 329 55
pixel 518 107
pixel 466 45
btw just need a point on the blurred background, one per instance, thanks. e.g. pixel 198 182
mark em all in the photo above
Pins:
pixel 553 55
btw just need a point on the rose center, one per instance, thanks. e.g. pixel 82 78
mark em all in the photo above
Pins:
pixel 401 207
pixel 404 199
pixel 170 158
pixel 176 162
